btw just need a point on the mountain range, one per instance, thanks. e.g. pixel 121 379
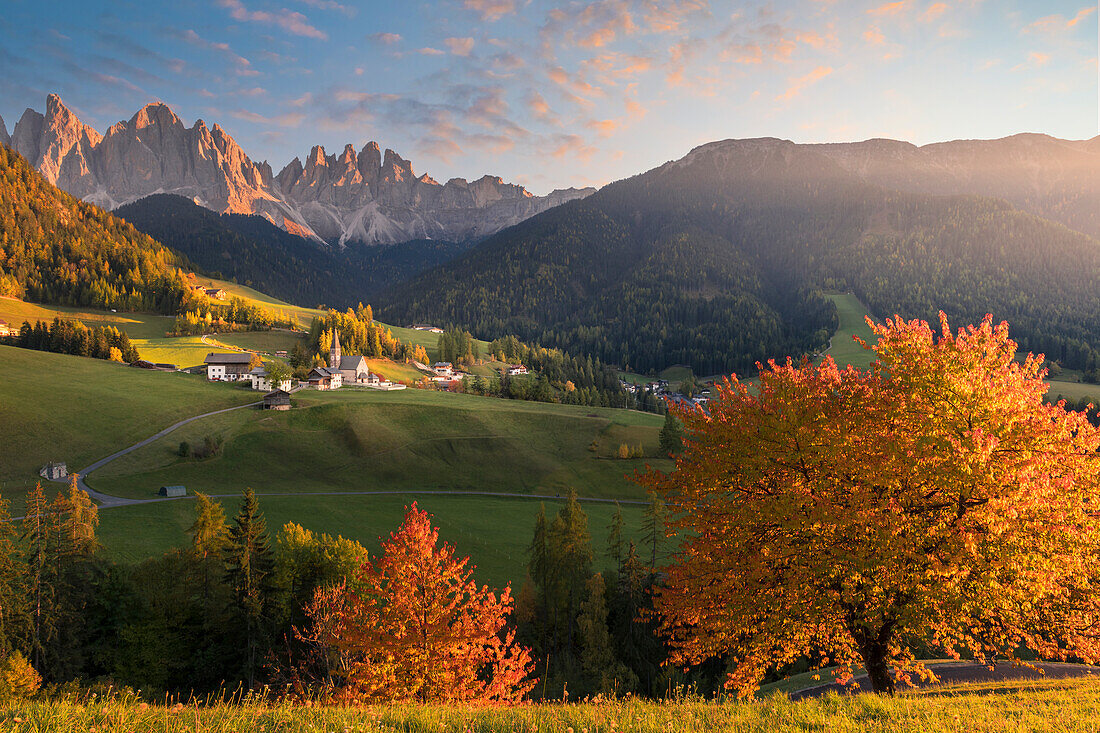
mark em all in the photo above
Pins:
pixel 369 197
pixel 722 258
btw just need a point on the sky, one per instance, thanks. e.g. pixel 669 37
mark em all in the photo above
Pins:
pixel 553 93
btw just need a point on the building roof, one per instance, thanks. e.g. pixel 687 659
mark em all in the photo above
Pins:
pixel 259 372
pixel 237 358
pixel 352 362
pixel 441 364
pixel 277 395
pixel 324 371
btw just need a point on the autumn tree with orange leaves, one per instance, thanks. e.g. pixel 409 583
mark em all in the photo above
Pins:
pixel 851 516
pixel 415 626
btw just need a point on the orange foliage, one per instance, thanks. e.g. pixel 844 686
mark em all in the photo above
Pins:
pixel 415 626
pixel 851 516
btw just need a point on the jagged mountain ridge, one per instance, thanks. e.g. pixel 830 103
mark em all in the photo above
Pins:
pixel 351 198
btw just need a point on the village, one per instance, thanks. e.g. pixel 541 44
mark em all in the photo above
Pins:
pixel 341 371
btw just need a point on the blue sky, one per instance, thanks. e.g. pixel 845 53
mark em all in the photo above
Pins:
pixel 557 93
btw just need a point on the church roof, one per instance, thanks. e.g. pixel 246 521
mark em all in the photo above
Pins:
pixel 352 362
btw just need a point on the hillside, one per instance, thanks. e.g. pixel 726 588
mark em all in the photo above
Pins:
pixel 251 250
pixel 719 259
pixel 56 249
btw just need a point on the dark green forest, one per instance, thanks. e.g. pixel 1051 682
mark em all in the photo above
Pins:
pixel 252 251
pixel 722 259
pixel 56 249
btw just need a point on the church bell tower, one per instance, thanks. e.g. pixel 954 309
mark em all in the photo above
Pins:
pixel 334 354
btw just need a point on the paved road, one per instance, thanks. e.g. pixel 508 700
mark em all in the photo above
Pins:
pixel 107 501
pixel 952 673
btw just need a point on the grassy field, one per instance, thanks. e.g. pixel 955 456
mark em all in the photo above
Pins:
pixel 364 440
pixel 844 348
pixel 55 407
pixel 493 531
pixel 1055 706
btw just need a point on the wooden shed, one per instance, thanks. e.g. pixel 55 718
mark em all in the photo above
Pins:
pixel 277 399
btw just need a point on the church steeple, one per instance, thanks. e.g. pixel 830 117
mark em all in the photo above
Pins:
pixel 334 354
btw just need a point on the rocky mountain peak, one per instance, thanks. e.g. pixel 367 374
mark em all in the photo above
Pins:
pixel 4 137
pixel 155 113
pixel 367 197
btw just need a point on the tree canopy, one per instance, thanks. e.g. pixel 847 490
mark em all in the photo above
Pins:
pixel 933 501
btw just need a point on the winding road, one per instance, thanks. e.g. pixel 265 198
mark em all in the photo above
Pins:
pixel 108 501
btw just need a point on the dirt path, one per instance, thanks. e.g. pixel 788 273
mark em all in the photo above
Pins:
pixel 964 672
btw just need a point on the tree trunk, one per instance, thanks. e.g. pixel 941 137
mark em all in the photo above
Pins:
pixel 878 672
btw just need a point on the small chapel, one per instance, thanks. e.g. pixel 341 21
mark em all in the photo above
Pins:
pixel 353 369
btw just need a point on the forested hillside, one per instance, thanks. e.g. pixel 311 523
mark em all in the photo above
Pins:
pixel 254 252
pixel 720 259
pixel 56 249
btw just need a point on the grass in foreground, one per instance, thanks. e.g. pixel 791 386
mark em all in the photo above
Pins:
pixel 1056 706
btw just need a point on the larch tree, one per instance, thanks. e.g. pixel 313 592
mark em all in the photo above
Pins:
pixel 14 594
pixel 415 626
pixel 931 501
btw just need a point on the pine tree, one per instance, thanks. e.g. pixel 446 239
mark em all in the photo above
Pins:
pixel 13 590
pixel 38 545
pixel 249 566
pixel 605 673
pixel 653 526
pixel 615 537
pixel 672 432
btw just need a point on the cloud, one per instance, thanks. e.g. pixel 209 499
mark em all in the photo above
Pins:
pixel 800 83
pixel 1056 24
pixel 874 36
pixel 243 65
pixel 571 146
pixel 131 47
pixel 459 46
pixel 429 51
pixel 1035 60
pixel 290 21
pixel 290 119
pixel 634 109
pixel 386 39
pixel 491 10
pixel 330 5
pixel 604 128
pixel 934 11
pixel 540 108
pixel 890 8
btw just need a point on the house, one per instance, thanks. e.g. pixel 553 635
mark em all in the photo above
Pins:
pixel 353 369
pixel 260 380
pixel 227 367
pixel 325 378
pixel 426 327
pixel 54 471
pixel 6 329
pixel 173 491
pixel 516 369
pixel 443 368
pixel 216 293
pixel 278 399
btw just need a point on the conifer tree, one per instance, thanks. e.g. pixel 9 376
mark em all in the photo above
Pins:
pixel 13 590
pixel 38 546
pixel 653 525
pixel 615 537
pixel 605 673
pixel 249 567
pixel 671 439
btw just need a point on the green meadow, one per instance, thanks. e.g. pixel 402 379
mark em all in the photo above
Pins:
pixel 55 407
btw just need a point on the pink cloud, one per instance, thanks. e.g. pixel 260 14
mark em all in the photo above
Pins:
pixel 290 21
pixel 459 46
pixel 800 83
pixel 491 10
pixel 890 8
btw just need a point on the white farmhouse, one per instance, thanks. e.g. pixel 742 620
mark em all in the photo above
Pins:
pixel 227 367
